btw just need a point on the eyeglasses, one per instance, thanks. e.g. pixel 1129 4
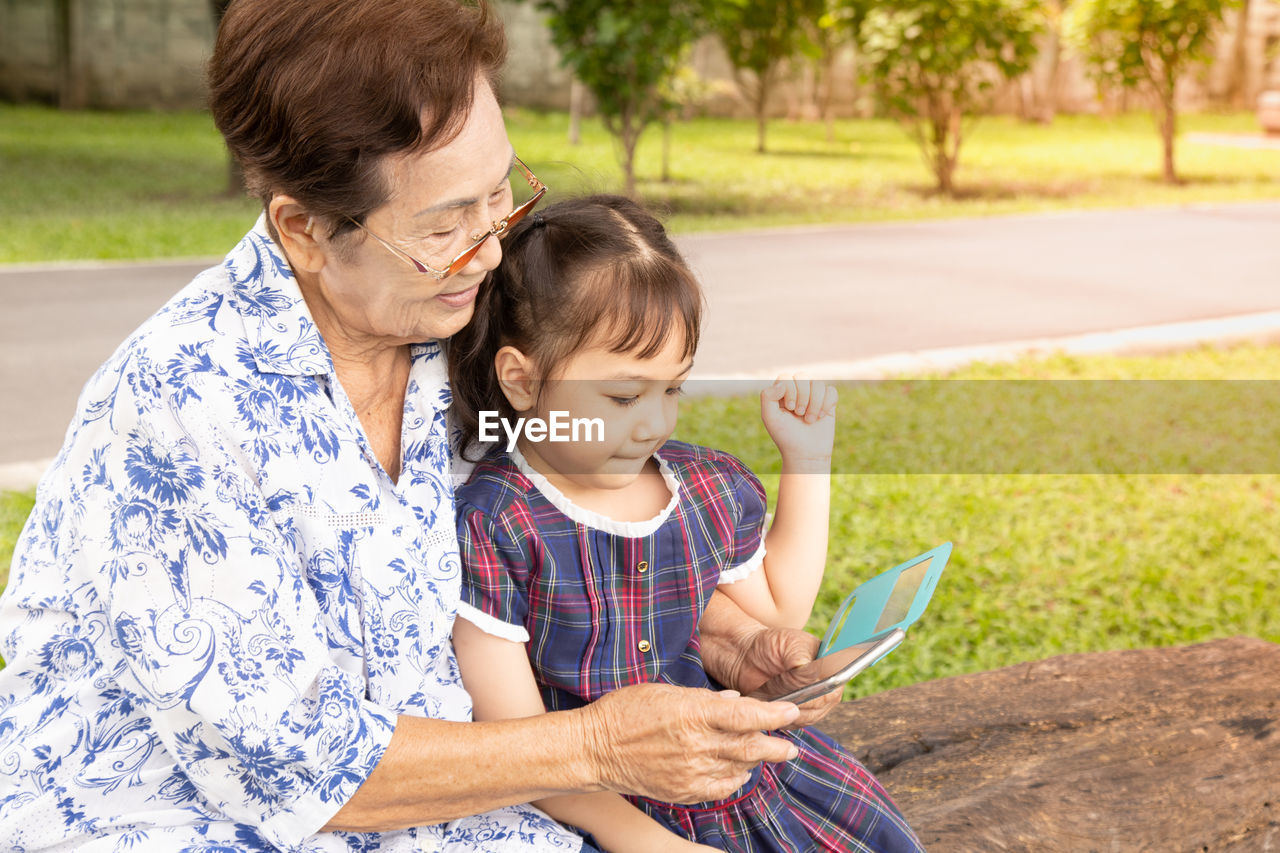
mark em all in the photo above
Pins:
pixel 497 229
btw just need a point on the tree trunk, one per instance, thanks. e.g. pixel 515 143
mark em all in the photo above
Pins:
pixel 1168 130
pixel 629 136
pixel 1237 94
pixel 762 101
pixel 629 168
pixel 62 28
pixel 235 175
pixel 666 150
pixel 72 86
pixel 826 91
pixel 946 148
pixel 945 171
pixel 577 93
pixel 943 168
pixel 1048 107
pixel 1028 101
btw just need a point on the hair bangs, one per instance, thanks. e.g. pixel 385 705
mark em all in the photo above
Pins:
pixel 642 304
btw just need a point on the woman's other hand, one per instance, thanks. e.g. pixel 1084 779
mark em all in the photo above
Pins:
pixel 743 654
pixel 682 745
pixel 772 652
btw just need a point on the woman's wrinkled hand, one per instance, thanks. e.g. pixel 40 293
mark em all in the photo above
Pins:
pixel 770 653
pixel 743 654
pixel 682 745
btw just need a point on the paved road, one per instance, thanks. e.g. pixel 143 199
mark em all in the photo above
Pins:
pixel 835 295
pixel 784 298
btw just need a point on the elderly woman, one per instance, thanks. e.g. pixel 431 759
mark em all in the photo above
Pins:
pixel 227 626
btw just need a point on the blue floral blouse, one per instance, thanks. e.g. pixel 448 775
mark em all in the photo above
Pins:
pixel 221 601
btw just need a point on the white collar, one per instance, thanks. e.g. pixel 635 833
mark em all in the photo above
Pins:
pixel 590 518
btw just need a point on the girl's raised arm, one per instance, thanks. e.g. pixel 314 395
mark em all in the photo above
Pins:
pixel 800 417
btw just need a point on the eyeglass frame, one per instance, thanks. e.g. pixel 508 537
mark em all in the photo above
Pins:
pixel 497 229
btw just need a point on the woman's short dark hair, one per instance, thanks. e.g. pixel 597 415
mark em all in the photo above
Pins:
pixel 597 271
pixel 311 95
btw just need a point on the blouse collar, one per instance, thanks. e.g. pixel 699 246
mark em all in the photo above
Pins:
pixel 281 335
pixel 590 518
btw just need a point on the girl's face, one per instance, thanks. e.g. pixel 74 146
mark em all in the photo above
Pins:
pixel 636 399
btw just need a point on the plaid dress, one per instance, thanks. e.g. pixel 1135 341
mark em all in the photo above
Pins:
pixel 602 604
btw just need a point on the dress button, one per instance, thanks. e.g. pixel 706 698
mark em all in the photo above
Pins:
pixel 642 566
pixel 643 645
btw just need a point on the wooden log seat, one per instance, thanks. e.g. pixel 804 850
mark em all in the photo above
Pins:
pixel 1170 749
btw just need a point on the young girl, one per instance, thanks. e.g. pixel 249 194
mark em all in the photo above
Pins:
pixel 587 563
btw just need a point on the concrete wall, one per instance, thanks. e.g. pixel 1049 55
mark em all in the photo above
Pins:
pixel 533 76
pixel 121 53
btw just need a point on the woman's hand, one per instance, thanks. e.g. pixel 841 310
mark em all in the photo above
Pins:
pixel 741 653
pixel 800 416
pixel 770 654
pixel 682 745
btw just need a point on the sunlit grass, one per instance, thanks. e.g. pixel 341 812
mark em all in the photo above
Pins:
pixel 873 172
pixel 114 185
pixel 14 508
pixel 1043 564
pixel 137 185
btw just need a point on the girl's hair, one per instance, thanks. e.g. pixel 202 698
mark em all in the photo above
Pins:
pixel 592 271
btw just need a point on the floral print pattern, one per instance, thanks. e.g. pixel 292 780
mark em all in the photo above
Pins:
pixel 221 602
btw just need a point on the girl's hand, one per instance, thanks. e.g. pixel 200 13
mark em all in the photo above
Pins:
pixel 800 416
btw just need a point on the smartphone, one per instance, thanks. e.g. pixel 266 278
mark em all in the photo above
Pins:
pixel 833 670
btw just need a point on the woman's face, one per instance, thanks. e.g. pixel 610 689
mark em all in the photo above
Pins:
pixel 367 294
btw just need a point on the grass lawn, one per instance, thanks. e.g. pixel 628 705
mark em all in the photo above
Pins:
pixel 1043 564
pixel 136 185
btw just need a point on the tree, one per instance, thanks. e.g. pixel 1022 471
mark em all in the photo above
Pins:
pixel 758 35
pixel 934 64
pixel 1147 44
pixel 683 92
pixel 624 54
pixel 235 175
pixel 73 82
pixel 1237 89
pixel 1042 83
pixel 839 26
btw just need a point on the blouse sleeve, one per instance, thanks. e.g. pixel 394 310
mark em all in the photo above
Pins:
pixel 494 572
pixel 747 499
pixel 207 604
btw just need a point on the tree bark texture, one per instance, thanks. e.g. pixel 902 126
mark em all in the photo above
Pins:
pixel 1172 749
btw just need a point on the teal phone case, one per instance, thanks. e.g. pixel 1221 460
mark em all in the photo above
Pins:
pixel 892 599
